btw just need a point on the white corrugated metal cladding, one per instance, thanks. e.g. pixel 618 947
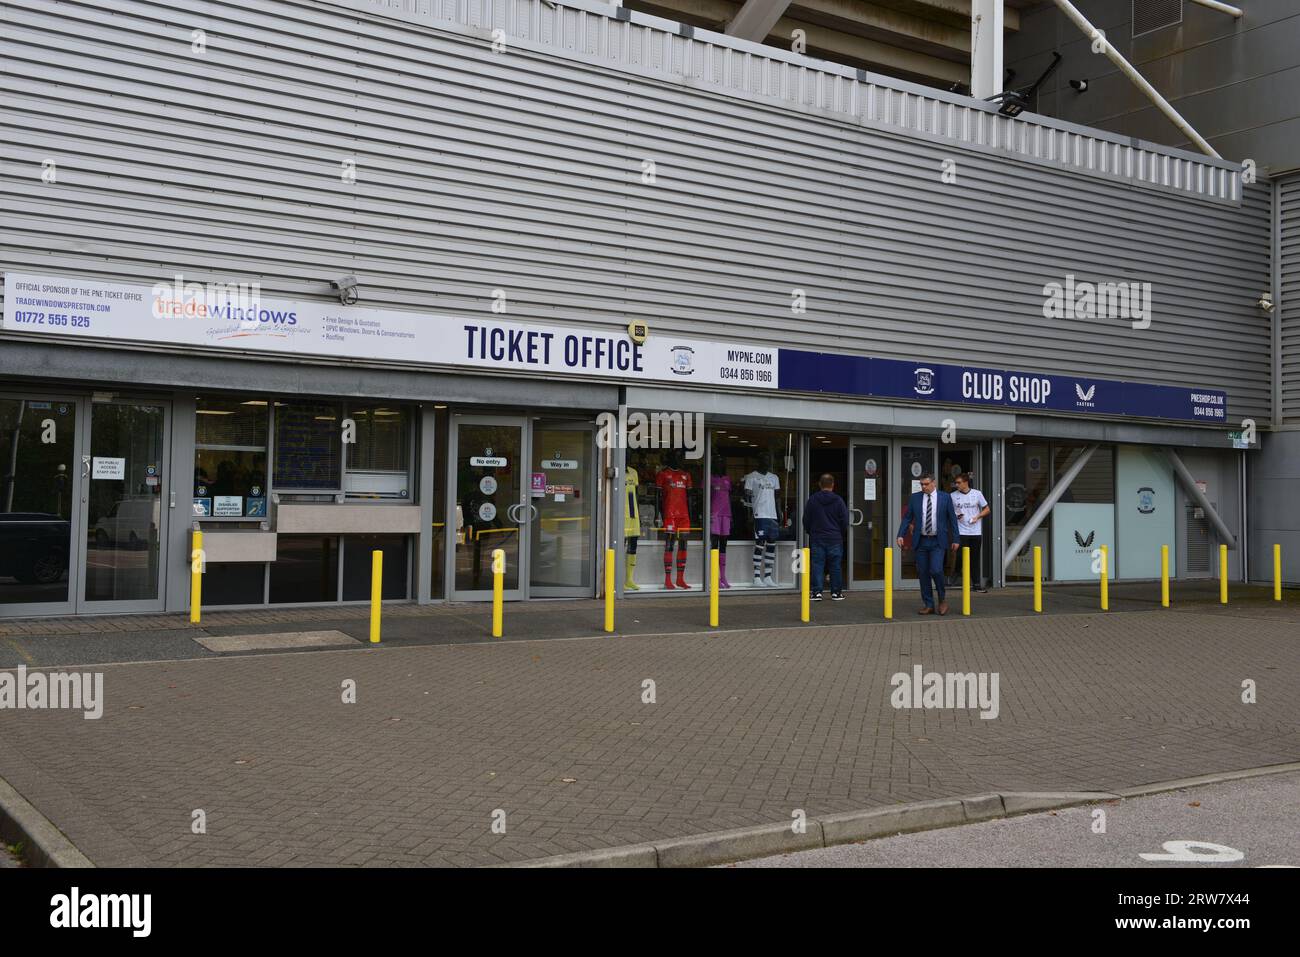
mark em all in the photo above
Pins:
pixel 522 170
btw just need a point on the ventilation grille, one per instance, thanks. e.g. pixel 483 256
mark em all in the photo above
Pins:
pixel 1149 15
pixel 1198 544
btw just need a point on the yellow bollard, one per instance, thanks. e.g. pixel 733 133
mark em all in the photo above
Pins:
pixel 1038 579
pixel 1105 576
pixel 1164 576
pixel 1277 572
pixel 805 583
pixel 965 579
pixel 713 588
pixel 889 583
pixel 609 589
pixel 1223 574
pixel 196 578
pixel 376 593
pixel 498 589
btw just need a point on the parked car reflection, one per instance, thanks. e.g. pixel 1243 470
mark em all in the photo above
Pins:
pixel 34 547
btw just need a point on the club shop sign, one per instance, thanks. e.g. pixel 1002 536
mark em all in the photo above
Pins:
pixel 238 318
pixel 950 385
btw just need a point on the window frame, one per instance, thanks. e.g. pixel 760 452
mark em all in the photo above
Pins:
pixel 266 449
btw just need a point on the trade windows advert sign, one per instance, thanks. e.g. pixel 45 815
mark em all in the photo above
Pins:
pixel 230 318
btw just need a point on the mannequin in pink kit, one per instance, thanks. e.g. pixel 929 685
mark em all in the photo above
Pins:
pixel 720 515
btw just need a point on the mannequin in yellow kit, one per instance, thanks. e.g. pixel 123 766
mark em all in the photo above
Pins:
pixel 631 525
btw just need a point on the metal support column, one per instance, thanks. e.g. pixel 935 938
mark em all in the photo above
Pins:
pixel 1197 496
pixel 1163 105
pixel 424 570
pixel 997 514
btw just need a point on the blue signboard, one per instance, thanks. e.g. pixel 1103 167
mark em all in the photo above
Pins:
pixel 946 385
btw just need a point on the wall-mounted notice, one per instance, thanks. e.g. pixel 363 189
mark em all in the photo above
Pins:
pixel 228 506
pixel 102 468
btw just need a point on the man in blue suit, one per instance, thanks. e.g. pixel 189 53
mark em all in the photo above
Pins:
pixel 934 519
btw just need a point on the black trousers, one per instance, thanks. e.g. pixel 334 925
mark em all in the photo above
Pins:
pixel 973 542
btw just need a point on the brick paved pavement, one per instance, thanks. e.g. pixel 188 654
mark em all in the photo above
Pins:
pixel 748 726
pixel 66 641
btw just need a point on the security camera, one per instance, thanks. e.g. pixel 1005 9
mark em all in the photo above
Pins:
pixel 1266 302
pixel 347 288
pixel 1080 85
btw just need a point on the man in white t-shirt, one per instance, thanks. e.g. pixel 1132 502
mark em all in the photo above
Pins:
pixel 971 508
pixel 761 487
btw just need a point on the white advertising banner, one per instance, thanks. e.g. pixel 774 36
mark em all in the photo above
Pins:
pixel 236 318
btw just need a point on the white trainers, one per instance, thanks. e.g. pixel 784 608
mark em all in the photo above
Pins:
pixel 758 581
pixel 769 582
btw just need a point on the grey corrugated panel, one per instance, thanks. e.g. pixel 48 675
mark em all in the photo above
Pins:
pixel 1288 308
pixel 708 61
pixel 746 207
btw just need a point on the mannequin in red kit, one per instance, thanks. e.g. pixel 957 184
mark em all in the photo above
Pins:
pixel 673 481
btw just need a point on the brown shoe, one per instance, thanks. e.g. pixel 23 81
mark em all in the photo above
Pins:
pixel 925 611
pixel 943 608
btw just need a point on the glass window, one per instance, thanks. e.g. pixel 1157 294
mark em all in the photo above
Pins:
pixel 37 438
pixel 666 490
pixel 1095 483
pixel 1027 483
pixel 379 459
pixel 230 457
pixel 234 583
pixel 308 446
pixel 1083 521
pixel 357 560
pixel 754 485
pixel 306 569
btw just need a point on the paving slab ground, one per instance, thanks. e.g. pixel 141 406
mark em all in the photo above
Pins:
pixel 557 738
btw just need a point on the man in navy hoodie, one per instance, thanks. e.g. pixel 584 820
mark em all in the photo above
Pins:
pixel 826 520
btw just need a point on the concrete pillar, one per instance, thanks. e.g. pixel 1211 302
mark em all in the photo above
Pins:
pixel 985 48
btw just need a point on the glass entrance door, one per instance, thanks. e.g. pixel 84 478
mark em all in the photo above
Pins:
pixel 122 503
pixel 38 504
pixel 491 508
pixel 560 542
pixel 869 513
pixel 915 459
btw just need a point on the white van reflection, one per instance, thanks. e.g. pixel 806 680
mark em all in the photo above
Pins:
pixel 133 523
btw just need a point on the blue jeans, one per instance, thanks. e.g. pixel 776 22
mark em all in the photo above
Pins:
pixel 824 554
pixel 929 567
